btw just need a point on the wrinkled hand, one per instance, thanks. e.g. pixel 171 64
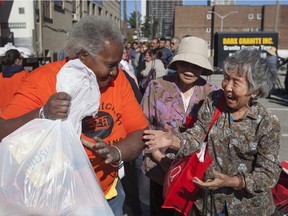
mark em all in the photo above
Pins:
pixel 157 155
pixel 57 106
pixel 156 139
pixel 105 151
pixel 220 180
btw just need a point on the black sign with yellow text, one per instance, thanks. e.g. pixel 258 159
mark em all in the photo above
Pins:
pixel 226 43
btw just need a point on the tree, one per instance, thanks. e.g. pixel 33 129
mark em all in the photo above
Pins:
pixel 132 19
pixel 149 27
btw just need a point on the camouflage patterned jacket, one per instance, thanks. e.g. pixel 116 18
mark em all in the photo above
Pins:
pixel 249 146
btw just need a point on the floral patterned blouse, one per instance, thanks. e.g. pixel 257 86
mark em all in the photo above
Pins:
pixel 247 146
pixel 162 104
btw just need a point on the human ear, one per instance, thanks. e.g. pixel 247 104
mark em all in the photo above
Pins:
pixel 254 94
pixel 82 55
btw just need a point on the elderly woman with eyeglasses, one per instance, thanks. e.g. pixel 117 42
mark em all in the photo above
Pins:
pixel 243 142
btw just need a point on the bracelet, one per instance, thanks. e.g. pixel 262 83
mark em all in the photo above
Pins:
pixel 120 162
pixel 241 182
pixel 41 113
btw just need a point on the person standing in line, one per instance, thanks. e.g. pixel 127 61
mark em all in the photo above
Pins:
pixel 174 100
pixel 126 66
pixel 174 45
pixel 11 76
pixel 168 44
pixel 154 43
pixel 279 62
pixel 115 134
pixel 243 143
pixel 133 52
pixel 174 49
pixel 154 63
pixel 132 204
pixel 167 54
pixel 140 59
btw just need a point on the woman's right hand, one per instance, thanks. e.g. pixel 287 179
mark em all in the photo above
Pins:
pixel 57 106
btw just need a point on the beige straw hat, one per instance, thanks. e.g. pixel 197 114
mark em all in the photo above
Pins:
pixel 272 51
pixel 193 50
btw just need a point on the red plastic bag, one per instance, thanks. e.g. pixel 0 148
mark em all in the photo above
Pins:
pixel 179 191
pixel 280 191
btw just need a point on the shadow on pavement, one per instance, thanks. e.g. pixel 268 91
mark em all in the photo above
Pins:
pixel 281 97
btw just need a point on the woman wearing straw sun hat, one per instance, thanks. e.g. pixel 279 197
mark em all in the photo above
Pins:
pixel 173 101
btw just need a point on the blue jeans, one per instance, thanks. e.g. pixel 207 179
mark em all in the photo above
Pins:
pixel 143 187
pixel 116 203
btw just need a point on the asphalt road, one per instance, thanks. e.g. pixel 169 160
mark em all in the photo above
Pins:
pixel 277 104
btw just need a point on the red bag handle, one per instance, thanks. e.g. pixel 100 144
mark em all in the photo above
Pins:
pixel 217 113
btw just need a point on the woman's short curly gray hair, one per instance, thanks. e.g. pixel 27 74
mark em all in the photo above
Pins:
pixel 261 73
pixel 90 35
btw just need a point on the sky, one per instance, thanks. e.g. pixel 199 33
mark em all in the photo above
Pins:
pixel 131 3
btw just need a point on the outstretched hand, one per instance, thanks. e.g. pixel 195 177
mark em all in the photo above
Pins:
pixel 57 106
pixel 156 139
pixel 219 180
pixel 102 149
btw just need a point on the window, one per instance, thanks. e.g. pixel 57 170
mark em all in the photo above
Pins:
pixel 46 9
pixel 58 3
pixel 208 43
pixel 99 11
pixel 59 6
pixel 259 16
pixel 250 16
pixel 208 16
pixel 250 29
pixel 21 10
pixel 208 30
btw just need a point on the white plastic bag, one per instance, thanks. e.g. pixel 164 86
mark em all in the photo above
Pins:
pixel 44 169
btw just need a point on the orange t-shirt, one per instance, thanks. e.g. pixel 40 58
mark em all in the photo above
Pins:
pixel 8 87
pixel 119 112
pixel 34 91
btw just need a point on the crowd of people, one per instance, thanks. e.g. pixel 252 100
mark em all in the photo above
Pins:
pixel 148 127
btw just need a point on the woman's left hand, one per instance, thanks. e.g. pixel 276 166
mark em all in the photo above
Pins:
pixel 220 180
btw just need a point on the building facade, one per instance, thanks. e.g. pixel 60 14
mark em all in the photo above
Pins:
pixel 42 26
pixel 205 21
pixel 163 11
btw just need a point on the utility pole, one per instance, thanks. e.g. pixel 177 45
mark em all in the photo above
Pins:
pixel 276 16
pixel 40 39
pixel 125 19
pixel 222 17
pixel 136 17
